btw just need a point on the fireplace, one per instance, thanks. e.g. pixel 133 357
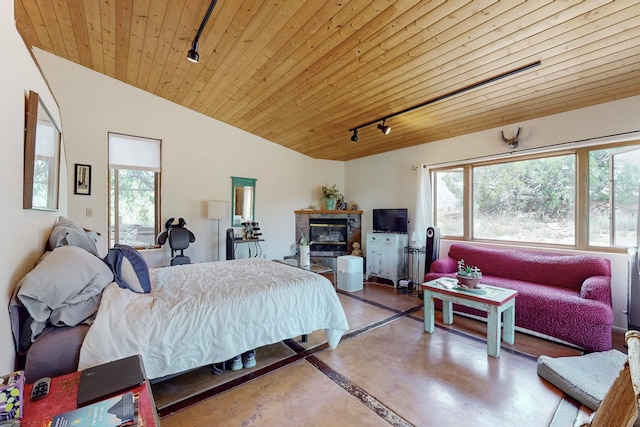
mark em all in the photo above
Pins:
pixel 322 228
pixel 328 236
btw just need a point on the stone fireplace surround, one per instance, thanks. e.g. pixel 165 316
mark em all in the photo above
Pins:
pixel 354 233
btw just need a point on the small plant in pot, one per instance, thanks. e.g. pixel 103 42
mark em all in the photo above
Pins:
pixel 468 275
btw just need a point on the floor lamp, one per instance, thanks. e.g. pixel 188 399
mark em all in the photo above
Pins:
pixel 217 209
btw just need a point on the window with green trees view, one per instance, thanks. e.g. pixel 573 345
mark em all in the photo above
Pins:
pixel 540 199
pixel 134 188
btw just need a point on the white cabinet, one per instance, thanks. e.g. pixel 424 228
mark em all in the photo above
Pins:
pixel 385 256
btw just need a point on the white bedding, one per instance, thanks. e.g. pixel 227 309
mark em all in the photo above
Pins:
pixel 198 314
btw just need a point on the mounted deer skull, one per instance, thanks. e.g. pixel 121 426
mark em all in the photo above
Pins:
pixel 510 142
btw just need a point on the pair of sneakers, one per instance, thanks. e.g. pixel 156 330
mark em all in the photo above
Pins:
pixel 244 360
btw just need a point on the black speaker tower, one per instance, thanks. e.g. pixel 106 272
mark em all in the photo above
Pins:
pixel 432 248
pixel 230 244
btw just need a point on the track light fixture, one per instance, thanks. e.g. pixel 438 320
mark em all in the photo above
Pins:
pixel 384 128
pixel 193 55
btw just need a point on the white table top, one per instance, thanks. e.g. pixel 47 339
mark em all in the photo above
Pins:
pixel 484 293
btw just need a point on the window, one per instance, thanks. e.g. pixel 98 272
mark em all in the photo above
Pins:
pixel 526 201
pixel 134 190
pixel 449 196
pixel 614 180
pixel 540 199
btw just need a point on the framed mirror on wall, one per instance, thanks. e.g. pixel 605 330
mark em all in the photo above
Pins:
pixel 41 157
pixel 243 200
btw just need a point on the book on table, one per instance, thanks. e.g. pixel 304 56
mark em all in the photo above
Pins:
pixel 118 411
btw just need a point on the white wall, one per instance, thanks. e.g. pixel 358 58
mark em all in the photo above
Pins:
pixel 199 156
pixel 375 181
pixel 23 232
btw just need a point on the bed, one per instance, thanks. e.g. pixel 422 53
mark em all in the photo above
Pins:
pixel 177 318
pixel 199 314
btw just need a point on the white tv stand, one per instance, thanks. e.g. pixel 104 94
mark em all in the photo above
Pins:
pixel 385 256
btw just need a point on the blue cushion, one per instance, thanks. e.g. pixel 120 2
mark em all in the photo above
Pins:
pixel 129 268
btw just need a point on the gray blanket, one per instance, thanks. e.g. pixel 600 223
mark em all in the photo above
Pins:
pixel 63 289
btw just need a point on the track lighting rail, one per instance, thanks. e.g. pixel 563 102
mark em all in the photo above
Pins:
pixel 193 55
pixel 441 97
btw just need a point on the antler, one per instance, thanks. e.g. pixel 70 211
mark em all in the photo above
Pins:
pixel 510 142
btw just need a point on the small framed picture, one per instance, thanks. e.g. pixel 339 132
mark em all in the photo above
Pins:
pixel 83 179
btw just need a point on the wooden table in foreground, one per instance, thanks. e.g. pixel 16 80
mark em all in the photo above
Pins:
pixel 492 299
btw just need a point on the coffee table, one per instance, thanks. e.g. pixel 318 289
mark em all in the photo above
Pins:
pixel 492 299
pixel 316 268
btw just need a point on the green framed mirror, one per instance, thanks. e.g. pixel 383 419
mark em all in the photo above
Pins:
pixel 243 200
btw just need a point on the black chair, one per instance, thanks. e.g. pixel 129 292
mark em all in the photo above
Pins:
pixel 179 238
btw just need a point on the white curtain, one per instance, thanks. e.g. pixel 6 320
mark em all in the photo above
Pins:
pixel 424 215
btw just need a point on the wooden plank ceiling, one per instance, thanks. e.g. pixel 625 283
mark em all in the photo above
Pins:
pixel 302 73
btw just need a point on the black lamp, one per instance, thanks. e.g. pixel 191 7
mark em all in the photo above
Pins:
pixel 384 128
pixel 354 137
pixel 192 55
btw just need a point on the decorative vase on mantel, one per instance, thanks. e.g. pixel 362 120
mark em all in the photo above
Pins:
pixel 330 203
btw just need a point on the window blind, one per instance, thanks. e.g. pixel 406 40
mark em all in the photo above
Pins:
pixel 131 152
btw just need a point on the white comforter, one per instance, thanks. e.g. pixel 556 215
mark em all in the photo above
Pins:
pixel 205 313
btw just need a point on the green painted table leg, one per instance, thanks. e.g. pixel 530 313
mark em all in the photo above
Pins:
pixel 429 314
pixel 493 332
pixel 447 312
pixel 509 323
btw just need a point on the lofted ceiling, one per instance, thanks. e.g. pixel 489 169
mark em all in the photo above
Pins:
pixel 302 73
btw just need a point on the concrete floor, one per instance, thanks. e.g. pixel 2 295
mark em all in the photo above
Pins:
pixel 386 370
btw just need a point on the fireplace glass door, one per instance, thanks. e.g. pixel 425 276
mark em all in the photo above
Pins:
pixel 328 236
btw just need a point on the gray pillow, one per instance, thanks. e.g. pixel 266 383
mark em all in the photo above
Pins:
pixel 65 232
pixel 64 288
pixel 585 378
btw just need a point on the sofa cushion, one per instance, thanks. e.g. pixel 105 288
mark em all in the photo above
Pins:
pixel 585 378
pixel 567 271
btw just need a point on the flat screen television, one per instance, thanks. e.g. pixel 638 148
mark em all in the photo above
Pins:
pixel 390 220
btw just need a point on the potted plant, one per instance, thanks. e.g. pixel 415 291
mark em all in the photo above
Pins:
pixel 468 275
pixel 330 195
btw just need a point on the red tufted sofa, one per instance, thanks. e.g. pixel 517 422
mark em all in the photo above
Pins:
pixel 562 296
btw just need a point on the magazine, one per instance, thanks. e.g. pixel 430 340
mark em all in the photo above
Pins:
pixel 118 411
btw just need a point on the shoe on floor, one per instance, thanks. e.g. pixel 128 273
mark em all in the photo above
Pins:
pixel 217 368
pixel 236 363
pixel 249 359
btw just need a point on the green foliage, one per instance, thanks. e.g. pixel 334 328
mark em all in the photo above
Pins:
pixel 136 196
pixel 542 187
pixel 535 199
pixel 330 192
pixel 468 270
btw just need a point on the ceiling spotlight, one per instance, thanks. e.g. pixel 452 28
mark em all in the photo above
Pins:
pixel 354 137
pixel 192 55
pixel 385 129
